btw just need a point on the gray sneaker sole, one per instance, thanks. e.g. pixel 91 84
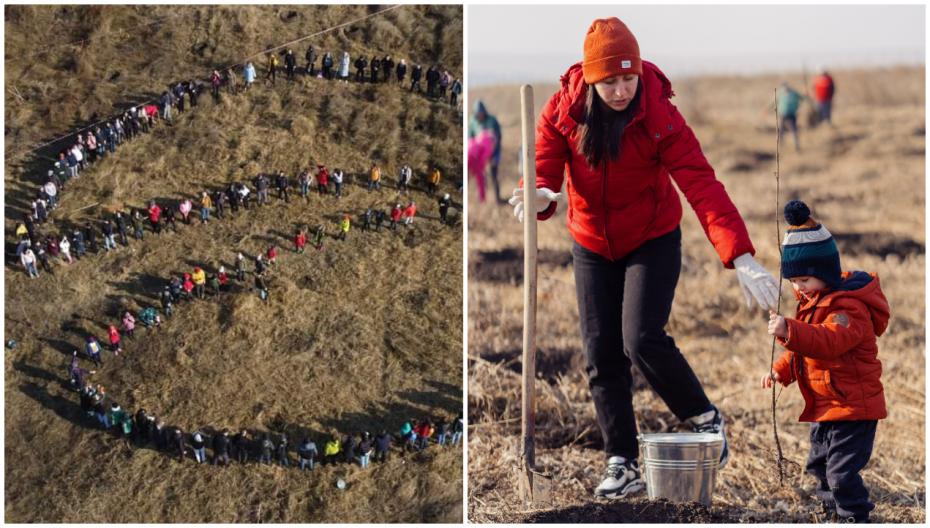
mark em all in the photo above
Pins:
pixel 632 489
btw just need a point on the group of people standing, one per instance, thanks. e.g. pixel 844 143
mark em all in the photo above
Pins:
pixel 115 229
pixel 440 83
pixel 144 429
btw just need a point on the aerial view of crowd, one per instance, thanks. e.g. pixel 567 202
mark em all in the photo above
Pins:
pixel 95 143
pixel 67 242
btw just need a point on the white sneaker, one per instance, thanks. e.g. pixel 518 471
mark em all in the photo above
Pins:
pixel 622 479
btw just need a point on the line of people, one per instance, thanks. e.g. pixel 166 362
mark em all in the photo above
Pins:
pixel 144 429
pixel 439 81
pixel 104 138
pixel 35 250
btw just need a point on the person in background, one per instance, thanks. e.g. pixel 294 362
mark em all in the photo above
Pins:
pixel 824 89
pixel 481 121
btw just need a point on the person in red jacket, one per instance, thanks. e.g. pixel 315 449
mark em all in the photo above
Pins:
pixel 114 340
pixel 824 89
pixel 322 179
pixel 396 213
pixel 272 255
pixel 409 212
pixel 831 352
pixel 613 134
pixel 155 216
pixel 300 241
pixel 188 286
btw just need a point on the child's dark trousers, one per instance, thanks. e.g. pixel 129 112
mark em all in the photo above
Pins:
pixel 839 451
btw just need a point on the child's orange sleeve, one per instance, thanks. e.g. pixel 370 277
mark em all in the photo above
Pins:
pixel 782 368
pixel 842 329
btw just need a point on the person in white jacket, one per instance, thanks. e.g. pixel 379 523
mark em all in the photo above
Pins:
pixel 337 180
pixel 28 259
pixel 65 247
pixel 344 67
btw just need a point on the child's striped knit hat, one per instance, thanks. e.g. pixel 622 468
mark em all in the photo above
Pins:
pixel 808 248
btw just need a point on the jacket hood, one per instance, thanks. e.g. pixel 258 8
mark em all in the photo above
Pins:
pixel 865 288
pixel 654 86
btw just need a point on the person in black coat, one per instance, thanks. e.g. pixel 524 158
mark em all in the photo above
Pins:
pixel 310 56
pixel 108 234
pixel 415 76
pixel 290 64
pixel 219 202
pixel 444 204
pixel 360 64
pixel 241 446
pixel 177 442
pixel 90 235
pixel 383 446
pixel 140 429
pixel 375 67
pixel 328 65
pixel 87 399
pixel 121 228
pixel 349 445
pixel 160 434
pixel 221 448
pixel 282 185
pixel 387 65
pixel 432 81
pixel 281 452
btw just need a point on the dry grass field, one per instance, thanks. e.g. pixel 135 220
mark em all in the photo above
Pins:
pixel 864 180
pixel 362 335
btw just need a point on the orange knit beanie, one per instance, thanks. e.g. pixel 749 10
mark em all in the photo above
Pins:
pixel 609 49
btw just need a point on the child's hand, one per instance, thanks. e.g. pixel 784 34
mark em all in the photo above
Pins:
pixel 777 325
pixel 767 380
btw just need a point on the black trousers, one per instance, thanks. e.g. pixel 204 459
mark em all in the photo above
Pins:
pixel 839 451
pixel 624 306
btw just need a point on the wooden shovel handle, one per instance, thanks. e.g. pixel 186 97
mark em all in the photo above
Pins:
pixel 528 421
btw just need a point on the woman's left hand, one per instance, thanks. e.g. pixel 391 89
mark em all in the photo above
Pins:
pixel 756 282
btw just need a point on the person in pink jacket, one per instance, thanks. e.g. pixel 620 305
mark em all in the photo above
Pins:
pixel 129 323
pixel 480 152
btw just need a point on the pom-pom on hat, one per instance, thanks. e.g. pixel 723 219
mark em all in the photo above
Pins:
pixel 610 49
pixel 808 248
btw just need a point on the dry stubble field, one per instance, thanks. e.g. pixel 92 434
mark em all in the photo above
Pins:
pixel 864 180
pixel 362 335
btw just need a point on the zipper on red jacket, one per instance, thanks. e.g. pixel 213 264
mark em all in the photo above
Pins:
pixel 604 206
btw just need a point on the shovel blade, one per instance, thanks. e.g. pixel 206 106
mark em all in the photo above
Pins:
pixel 534 487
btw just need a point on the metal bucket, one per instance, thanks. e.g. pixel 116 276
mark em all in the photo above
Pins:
pixel 681 467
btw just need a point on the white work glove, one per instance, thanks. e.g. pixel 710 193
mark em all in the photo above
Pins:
pixel 756 282
pixel 543 198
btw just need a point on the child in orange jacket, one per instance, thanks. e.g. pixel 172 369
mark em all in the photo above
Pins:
pixel 832 354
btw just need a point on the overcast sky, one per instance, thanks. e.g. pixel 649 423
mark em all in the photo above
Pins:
pixel 691 39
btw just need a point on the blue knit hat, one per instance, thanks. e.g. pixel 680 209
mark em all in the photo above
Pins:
pixel 808 248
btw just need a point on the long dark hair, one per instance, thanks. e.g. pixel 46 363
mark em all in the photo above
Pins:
pixel 602 127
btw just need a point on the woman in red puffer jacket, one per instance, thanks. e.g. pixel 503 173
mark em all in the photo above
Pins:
pixel 612 134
